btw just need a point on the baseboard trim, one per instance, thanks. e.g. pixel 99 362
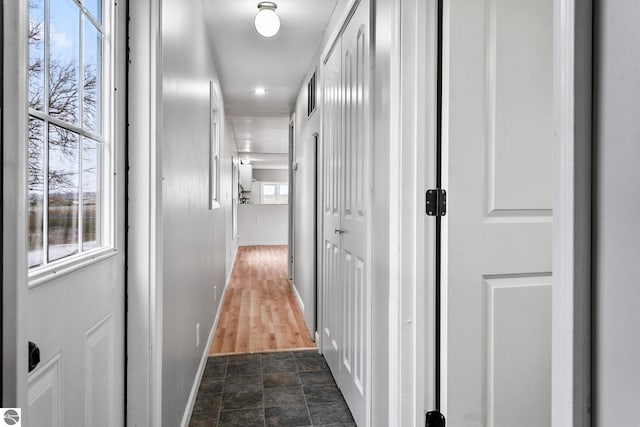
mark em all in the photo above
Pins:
pixel 298 297
pixel 205 355
pixel 264 243
pixel 196 383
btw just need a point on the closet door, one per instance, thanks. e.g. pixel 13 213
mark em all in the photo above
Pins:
pixel 346 212
pixel 355 297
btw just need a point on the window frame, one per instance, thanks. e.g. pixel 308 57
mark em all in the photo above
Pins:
pixel 214 148
pixel 106 179
pixel 278 197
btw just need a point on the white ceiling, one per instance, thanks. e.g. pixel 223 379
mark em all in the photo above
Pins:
pixel 246 60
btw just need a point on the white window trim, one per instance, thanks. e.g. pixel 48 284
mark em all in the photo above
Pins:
pixel 276 195
pixel 39 275
pixel 214 148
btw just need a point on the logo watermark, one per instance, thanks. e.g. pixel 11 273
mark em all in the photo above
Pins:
pixel 11 417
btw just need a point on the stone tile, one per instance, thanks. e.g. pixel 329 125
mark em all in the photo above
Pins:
pixel 330 413
pixel 336 425
pixel 316 378
pixel 275 366
pixel 277 355
pixel 204 420
pixel 283 396
pixel 311 364
pixel 229 387
pixel 244 397
pixel 307 354
pixel 284 379
pixel 234 379
pixel 211 385
pixel 323 394
pixel 249 368
pixel 247 418
pixel 217 359
pixel 244 358
pixel 285 416
pixel 214 369
pixel 207 402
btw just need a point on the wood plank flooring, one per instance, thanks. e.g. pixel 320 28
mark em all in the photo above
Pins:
pixel 259 311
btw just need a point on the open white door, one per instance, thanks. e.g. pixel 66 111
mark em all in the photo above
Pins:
pixel 346 214
pixel 498 118
pixel 74 138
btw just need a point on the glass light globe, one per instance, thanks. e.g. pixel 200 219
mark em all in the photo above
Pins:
pixel 267 22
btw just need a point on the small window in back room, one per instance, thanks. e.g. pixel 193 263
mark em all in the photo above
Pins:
pixel 311 95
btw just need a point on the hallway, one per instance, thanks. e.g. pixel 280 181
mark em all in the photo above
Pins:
pixel 259 311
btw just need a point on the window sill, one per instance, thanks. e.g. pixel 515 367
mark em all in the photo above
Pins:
pixel 43 275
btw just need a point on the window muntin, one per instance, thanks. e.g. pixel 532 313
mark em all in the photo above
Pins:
pixel 67 166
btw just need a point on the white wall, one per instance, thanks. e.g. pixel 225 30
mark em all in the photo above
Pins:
pixel 616 214
pixel 271 175
pixel 196 241
pixel 262 224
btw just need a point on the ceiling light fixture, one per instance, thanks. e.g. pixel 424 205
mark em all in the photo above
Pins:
pixel 245 161
pixel 259 91
pixel 267 21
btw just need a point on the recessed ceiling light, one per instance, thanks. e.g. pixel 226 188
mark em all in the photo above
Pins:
pixel 259 91
pixel 267 21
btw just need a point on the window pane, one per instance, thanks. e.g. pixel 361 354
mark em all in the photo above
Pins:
pixel 63 193
pixel 268 190
pixel 95 9
pixel 91 194
pixel 36 191
pixel 36 54
pixel 283 189
pixel 92 101
pixel 64 61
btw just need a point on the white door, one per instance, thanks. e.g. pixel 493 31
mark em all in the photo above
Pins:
pixel 346 211
pixel 499 96
pixel 75 239
pixel 331 176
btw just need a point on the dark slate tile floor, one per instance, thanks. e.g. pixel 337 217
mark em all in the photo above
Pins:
pixel 269 389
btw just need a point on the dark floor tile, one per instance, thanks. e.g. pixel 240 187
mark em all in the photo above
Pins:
pixel 204 420
pixel 285 416
pixel 215 368
pixel 234 379
pixel 277 355
pixel 330 413
pixel 283 396
pixel 275 366
pixel 316 378
pixel 247 418
pixel 336 425
pixel 244 397
pixel 307 354
pixel 248 368
pixel 285 379
pixel 323 394
pixel 218 359
pixel 311 364
pixel 207 402
pixel 230 387
pixel 211 385
pixel 244 358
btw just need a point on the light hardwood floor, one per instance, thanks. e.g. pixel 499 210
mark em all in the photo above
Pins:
pixel 259 311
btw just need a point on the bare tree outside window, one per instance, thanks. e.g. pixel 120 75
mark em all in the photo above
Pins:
pixel 65 129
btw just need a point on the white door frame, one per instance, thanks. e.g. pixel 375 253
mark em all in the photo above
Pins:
pixel 144 252
pixel 14 215
pixel 292 197
pixel 411 360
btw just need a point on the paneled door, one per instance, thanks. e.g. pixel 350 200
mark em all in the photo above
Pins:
pixel 499 124
pixel 75 176
pixel 346 212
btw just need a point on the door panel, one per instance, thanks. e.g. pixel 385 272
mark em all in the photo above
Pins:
pixel 499 215
pixel 75 308
pixel 355 213
pixel 330 208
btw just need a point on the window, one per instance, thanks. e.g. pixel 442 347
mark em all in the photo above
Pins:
pixel 214 150
pixel 68 185
pixel 275 193
pixel 311 95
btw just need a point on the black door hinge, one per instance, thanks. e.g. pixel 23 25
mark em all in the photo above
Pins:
pixel 435 419
pixel 436 202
